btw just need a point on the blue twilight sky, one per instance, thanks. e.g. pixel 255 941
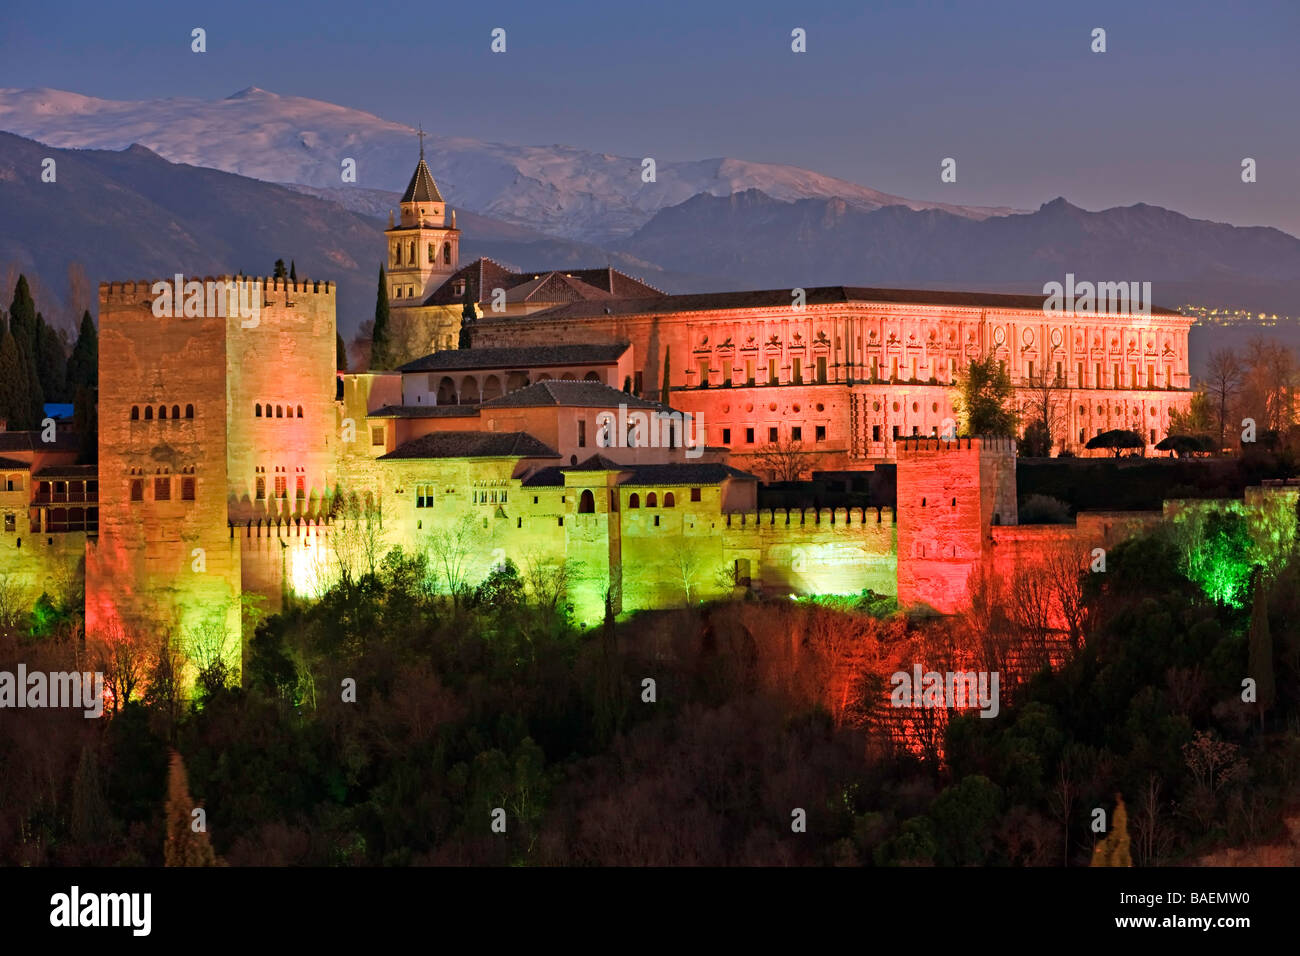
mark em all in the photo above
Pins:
pixel 1010 89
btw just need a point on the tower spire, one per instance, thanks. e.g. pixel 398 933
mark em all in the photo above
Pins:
pixel 421 134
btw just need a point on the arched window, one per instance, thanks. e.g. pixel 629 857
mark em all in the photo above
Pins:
pixel 279 411
pixel 176 411
pixel 410 252
pixel 433 252
pixel 446 253
pixel 162 412
pixel 587 503
pixel 257 410
pixel 634 501
pixel 135 413
pixel 300 411
pixel 669 500
pixel 651 500
pixel 148 413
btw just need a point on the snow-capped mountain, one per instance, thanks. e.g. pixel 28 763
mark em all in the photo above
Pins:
pixel 560 190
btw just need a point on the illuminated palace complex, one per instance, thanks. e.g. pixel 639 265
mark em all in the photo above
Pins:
pixel 234 460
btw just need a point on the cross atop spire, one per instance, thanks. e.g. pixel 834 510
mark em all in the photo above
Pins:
pixel 421 134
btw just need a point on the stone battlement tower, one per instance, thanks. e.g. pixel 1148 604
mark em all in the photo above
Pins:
pixel 949 494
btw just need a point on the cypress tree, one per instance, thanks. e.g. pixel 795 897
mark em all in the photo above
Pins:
pixel 184 846
pixel 340 353
pixel 468 316
pixel 293 270
pixel 1260 655
pixel 22 323
pixel 379 345
pixel 663 389
pixel 85 422
pixel 51 361
pixel 279 272
pixel 83 363
pixel 13 398
pixel 1114 849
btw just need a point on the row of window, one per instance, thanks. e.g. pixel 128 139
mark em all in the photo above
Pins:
pixel 432 249
pixel 162 488
pixel 773 373
pixel 282 487
pixel 774 434
pixel 162 412
pixel 276 411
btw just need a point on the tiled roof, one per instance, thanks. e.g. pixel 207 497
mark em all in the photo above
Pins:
pixel 483 275
pixel 64 440
pixel 580 394
pixel 13 464
pixel 422 188
pixel 425 411
pixel 473 445
pixel 68 471
pixel 684 473
pixel 776 298
pixel 521 357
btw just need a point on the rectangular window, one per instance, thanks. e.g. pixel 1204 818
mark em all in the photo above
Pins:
pixel 377 435
pixel 281 486
pixel 1151 375
pixel 895 433
pixel 187 488
pixel 1031 370
pixel 914 375
pixel 1078 380
pixel 772 435
pixel 695 494
pixel 821 433
pixel 1096 371
pixel 893 369
pixel 726 436
pixel 821 370
pixel 875 433
pixel 749 436
pixel 582 433
pixel 10 523
pixel 301 490
pixel 1133 375
pixel 771 372
pixel 1116 381
pixel 728 372
pixel 162 489
pixel 704 373
pixel 797 374
pixel 796 433
pixel 137 489
pixel 261 488
pixel 636 384
pixel 749 371
pixel 875 368
pixel 1059 373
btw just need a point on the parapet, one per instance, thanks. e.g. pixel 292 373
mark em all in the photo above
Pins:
pixel 917 446
pixel 137 291
pixel 827 518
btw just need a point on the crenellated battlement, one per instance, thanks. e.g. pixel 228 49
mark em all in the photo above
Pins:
pixel 928 445
pixel 136 291
pixel 827 518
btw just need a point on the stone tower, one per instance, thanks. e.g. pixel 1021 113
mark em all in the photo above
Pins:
pixel 949 494
pixel 423 251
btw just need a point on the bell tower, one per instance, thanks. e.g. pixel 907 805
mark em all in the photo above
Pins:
pixel 423 251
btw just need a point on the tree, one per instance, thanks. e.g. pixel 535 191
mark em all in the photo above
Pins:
pixel 1117 440
pixel 1269 386
pixel 379 344
pixel 1114 849
pixel 185 846
pixel 663 388
pixel 1197 420
pixel 13 400
pixel 1222 384
pixel 51 361
pixel 1260 661
pixel 83 363
pixel 983 398
pixel 784 460
pixel 293 271
pixel 340 353
pixel 279 272
pixel 1045 406
pixel 22 323
pixel 449 550
pixel 468 316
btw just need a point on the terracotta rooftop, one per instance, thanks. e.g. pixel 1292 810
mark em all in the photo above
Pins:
pixel 520 357
pixel 538 285
pixel 472 445
pixel 684 473
pixel 777 298
pixel 578 394
pixel 425 411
